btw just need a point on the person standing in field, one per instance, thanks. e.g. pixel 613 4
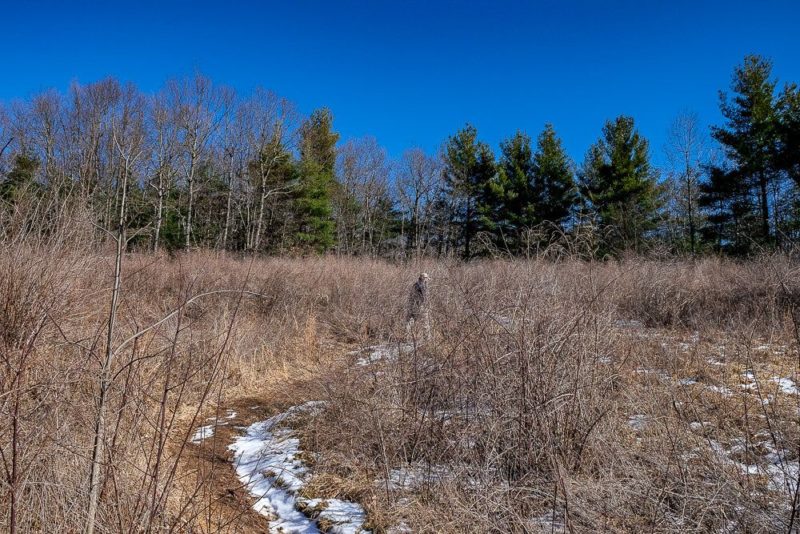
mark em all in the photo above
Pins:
pixel 418 305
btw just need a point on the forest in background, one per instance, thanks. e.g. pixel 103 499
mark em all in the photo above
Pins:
pixel 197 166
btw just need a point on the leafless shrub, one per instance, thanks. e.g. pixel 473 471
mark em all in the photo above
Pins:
pixel 554 394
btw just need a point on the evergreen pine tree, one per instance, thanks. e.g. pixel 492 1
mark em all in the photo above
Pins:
pixel 749 140
pixel 470 178
pixel 789 132
pixel 315 225
pixel 554 183
pixel 618 184
pixel 520 199
pixel 20 178
pixel 730 211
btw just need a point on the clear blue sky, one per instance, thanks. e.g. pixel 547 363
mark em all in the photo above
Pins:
pixel 412 72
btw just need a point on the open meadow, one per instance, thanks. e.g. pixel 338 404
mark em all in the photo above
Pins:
pixel 555 394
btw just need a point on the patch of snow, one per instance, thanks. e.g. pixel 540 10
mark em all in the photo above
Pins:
pixel 638 422
pixel 722 390
pixel 783 474
pixel 502 320
pixel 417 475
pixel 388 351
pixel 661 375
pixel 267 461
pixel 550 521
pixel 687 381
pixel 230 415
pixel 628 323
pixel 786 385
pixel 203 433
pixel 345 517
pixel 401 528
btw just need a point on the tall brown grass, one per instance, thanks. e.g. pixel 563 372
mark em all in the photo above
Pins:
pixel 518 407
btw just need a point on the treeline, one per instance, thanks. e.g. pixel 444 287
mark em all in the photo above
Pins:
pixel 196 166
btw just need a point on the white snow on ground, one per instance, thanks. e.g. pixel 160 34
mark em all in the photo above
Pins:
pixel 502 320
pixel 660 374
pixel 401 528
pixel 628 323
pixel 388 351
pixel 417 475
pixel 230 415
pixel 786 385
pixel 207 431
pixel 550 521
pixel 722 390
pixel 267 461
pixel 202 433
pixel 783 473
pixel 346 517
pixel 638 422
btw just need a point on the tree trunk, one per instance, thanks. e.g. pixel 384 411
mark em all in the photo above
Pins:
pixel 98 447
pixel 228 205
pixel 764 206
pixel 159 210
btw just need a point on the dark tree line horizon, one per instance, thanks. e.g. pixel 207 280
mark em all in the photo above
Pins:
pixel 205 168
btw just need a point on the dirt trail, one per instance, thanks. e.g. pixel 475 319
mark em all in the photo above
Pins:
pixel 226 505
pixel 254 475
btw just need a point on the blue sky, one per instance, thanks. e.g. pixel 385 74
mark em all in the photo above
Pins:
pixel 410 73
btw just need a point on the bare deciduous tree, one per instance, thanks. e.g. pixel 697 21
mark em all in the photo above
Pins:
pixel 272 132
pixel 199 108
pixel 363 171
pixel 418 180
pixel 128 136
pixel 163 141
pixel 686 150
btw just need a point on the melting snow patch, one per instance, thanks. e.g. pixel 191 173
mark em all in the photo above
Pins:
pixel 722 390
pixel 389 351
pixel 400 528
pixel 786 385
pixel 782 473
pixel 230 415
pixel 414 476
pixel 202 433
pixel 637 422
pixel 502 320
pixel 267 461
pixel 552 521
pixel 346 517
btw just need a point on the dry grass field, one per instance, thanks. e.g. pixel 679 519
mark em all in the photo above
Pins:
pixel 550 395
